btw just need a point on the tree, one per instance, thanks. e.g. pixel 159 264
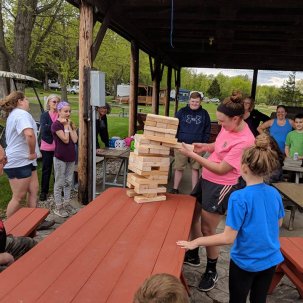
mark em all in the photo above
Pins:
pixel 19 21
pixel 289 93
pixel 214 90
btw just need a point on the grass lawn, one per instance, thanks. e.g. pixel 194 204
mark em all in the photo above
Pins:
pixel 118 126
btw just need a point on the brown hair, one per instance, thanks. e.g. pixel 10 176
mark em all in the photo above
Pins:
pixel 261 158
pixel 233 105
pixel 10 102
pixel 252 103
pixel 195 95
pixel 161 288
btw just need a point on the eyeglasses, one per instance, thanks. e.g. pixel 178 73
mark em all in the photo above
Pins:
pixel 53 101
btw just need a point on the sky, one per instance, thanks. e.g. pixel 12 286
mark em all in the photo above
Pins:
pixel 265 77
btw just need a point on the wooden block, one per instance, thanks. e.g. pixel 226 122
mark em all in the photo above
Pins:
pixel 160 125
pixel 146 173
pixel 178 145
pixel 160 130
pixel 150 190
pixel 161 139
pixel 131 193
pixel 129 185
pixel 141 139
pixel 142 199
pixel 148 132
pixel 151 123
pixel 162 119
pixel 169 136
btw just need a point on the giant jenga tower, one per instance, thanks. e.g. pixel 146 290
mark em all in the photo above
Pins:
pixel 150 160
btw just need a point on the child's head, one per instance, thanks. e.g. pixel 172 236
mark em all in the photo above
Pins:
pixel 261 158
pixel 299 121
pixel 103 110
pixel 63 108
pixel 161 288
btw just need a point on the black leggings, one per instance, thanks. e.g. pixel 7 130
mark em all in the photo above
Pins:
pixel 241 282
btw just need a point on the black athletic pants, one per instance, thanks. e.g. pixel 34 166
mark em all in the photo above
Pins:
pixel 241 282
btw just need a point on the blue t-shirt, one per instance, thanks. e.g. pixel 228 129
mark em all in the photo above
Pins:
pixel 279 133
pixel 254 212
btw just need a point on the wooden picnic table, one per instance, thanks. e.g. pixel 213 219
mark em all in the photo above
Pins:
pixel 114 153
pixel 294 193
pixel 124 109
pixel 294 166
pixel 103 253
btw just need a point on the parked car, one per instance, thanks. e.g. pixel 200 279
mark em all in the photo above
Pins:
pixel 54 84
pixel 214 100
pixel 73 89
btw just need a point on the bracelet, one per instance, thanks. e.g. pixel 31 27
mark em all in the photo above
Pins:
pixel 66 130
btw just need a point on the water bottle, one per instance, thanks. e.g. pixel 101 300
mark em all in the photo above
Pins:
pixel 296 156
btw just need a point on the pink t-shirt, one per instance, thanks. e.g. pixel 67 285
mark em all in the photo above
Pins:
pixel 229 147
pixel 44 145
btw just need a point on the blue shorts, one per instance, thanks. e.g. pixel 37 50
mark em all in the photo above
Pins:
pixel 20 172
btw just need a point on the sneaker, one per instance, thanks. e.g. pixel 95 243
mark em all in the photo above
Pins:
pixel 43 196
pixel 174 191
pixel 46 224
pixel 192 258
pixel 61 212
pixel 69 209
pixel 208 281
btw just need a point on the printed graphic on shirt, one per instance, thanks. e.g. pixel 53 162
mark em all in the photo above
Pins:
pixel 190 119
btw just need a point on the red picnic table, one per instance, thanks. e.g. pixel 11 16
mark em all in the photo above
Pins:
pixel 103 253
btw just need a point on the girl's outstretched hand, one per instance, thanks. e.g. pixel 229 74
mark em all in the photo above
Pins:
pixel 187 244
pixel 200 147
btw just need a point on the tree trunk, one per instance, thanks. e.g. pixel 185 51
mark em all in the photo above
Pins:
pixel 25 19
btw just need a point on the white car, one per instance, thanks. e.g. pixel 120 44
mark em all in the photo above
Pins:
pixel 54 84
pixel 214 100
pixel 73 89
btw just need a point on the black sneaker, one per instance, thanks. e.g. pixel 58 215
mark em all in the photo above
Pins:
pixel 208 281
pixel 192 258
pixel 43 196
pixel 174 191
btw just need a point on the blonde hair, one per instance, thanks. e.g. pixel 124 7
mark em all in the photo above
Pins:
pixel 50 97
pixel 261 158
pixel 10 102
pixel 161 288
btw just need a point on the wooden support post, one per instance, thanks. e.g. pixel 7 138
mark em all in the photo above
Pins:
pixel 156 87
pixel 177 87
pixel 254 84
pixel 85 60
pixel 133 93
pixel 100 36
pixel 168 85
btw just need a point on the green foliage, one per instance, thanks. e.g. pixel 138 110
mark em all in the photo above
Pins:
pixel 289 94
pixel 214 90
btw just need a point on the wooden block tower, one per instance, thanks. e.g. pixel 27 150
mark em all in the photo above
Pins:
pixel 150 160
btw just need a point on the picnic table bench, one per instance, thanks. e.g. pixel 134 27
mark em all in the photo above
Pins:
pixel 103 253
pixel 25 221
pixel 292 266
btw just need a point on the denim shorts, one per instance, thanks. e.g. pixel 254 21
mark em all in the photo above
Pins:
pixel 20 172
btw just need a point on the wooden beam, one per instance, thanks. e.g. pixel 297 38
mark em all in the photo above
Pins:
pixel 177 87
pixel 254 84
pixel 100 36
pixel 156 87
pixel 168 85
pixel 133 94
pixel 85 60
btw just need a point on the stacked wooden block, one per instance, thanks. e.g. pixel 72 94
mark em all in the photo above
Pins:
pixel 150 160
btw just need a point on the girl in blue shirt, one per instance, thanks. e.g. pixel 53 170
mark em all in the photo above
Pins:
pixel 252 225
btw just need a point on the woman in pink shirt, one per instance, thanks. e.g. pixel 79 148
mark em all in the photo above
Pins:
pixel 47 143
pixel 220 174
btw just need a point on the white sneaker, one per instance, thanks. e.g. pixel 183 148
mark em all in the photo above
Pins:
pixel 61 212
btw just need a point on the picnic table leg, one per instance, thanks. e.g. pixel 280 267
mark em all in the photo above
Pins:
pixel 276 279
pixel 104 173
pixel 125 172
pixel 118 173
pixel 292 217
